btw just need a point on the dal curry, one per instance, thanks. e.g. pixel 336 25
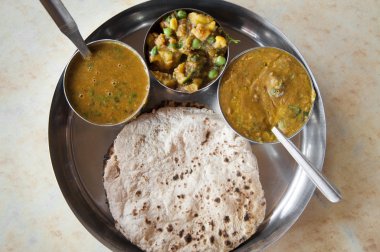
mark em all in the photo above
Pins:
pixel 263 88
pixel 110 86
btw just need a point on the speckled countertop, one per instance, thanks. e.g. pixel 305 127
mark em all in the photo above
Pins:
pixel 339 40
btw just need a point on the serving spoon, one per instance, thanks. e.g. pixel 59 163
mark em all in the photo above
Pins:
pixel 66 24
pixel 326 188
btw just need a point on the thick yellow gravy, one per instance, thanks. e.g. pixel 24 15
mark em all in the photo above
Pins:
pixel 263 88
pixel 110 86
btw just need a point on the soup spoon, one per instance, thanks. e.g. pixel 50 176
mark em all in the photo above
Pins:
pixel 66 24
pixel 326 188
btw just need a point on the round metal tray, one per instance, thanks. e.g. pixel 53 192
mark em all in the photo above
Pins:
pixel 77 148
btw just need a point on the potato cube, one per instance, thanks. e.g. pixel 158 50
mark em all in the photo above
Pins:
pixel 220 42
pixel 199 18
pixel 173 24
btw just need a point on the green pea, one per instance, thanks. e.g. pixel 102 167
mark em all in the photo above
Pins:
pixel 167 32
pixel 181 14
pixel 180 44
pixel 173 46
pixel 153 51
pixel 196 44
pixel 211 39
pixel 213 74
pixel 220 61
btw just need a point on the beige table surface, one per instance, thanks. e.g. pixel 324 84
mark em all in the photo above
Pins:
pixel 339 39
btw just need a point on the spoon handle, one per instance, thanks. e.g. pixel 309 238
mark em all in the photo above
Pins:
pixel 66 24
pixel 329 190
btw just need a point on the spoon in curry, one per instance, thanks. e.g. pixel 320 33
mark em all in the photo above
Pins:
pixel 66 24
pixel 326 188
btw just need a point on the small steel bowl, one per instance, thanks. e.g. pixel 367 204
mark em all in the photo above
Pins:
pixel 68 69
pixel 155 27
pixel 221 83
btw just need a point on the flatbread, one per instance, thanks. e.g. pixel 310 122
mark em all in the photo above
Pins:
pixel 180 179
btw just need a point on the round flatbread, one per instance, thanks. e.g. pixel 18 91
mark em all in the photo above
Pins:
pixel 180 179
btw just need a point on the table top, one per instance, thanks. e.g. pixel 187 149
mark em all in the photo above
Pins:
pixel 340 42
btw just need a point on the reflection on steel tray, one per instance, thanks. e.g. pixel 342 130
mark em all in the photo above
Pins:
pixel 77 148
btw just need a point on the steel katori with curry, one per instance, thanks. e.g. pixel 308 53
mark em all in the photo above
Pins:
pixel 109 87
pixel 265 88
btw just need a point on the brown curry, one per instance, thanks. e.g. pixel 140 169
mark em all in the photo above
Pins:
pixel 109 87
pixel 263 88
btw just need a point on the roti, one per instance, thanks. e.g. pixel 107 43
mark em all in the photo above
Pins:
pixel 179 179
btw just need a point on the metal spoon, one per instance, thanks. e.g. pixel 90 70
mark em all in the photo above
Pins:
pixel 329 190
pixel 66 24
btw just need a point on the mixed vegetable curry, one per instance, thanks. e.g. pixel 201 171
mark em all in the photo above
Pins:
pixel 188 52
pixel 263 88
pixel 110 86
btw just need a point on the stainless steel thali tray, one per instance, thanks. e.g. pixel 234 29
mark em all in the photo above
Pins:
pixel 77 148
